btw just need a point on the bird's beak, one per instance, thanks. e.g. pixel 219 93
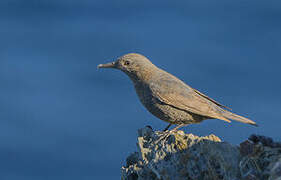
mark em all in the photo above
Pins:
pixel 108 65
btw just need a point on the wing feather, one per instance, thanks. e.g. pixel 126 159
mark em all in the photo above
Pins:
pixel 179 95
pixel 210 99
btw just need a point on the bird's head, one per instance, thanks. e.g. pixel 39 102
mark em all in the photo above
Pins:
pixel 135 65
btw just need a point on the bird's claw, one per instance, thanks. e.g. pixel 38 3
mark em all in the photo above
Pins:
pixel 165 135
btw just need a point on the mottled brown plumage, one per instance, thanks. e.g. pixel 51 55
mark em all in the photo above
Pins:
pixel 167 97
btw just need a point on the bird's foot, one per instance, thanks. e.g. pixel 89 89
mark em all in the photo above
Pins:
pixel 164 136
pixel 166 133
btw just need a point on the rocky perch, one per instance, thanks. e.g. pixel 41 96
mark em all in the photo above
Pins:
pixel 189 157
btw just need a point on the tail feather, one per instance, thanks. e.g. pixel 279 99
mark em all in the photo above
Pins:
pixel 230 115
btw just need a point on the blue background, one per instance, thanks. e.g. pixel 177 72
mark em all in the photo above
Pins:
pixel 61 118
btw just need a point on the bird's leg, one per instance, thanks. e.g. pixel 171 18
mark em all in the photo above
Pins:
pixel 168 133
pixel 177 127
pixel 167 127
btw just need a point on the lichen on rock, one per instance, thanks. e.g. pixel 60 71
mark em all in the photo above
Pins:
pixel 186 156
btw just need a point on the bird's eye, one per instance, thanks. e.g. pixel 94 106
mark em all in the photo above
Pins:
pixel 126 63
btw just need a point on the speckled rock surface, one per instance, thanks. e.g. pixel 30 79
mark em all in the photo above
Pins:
pixel 262 159
pixel 186 156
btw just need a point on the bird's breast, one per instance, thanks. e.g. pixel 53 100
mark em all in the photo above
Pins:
pixel 144 94
pixel 152 104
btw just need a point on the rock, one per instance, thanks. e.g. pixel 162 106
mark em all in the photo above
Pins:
pixel 264 160
pixel 186 156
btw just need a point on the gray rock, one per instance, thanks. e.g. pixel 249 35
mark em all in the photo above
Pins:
pixel 186 156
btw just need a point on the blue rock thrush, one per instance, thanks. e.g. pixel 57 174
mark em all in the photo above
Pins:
pixel 169 98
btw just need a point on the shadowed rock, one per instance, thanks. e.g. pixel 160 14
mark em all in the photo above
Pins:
pixel 167 97
pixel 186 156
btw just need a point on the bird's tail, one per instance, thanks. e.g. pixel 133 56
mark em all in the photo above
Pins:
pixel 230 115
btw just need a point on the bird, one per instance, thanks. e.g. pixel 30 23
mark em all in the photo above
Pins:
pixel 169 98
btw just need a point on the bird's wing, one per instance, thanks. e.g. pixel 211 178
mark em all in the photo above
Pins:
pixel 210 99
pixel 175 93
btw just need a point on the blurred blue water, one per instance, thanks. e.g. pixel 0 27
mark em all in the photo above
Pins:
pixel 60 118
